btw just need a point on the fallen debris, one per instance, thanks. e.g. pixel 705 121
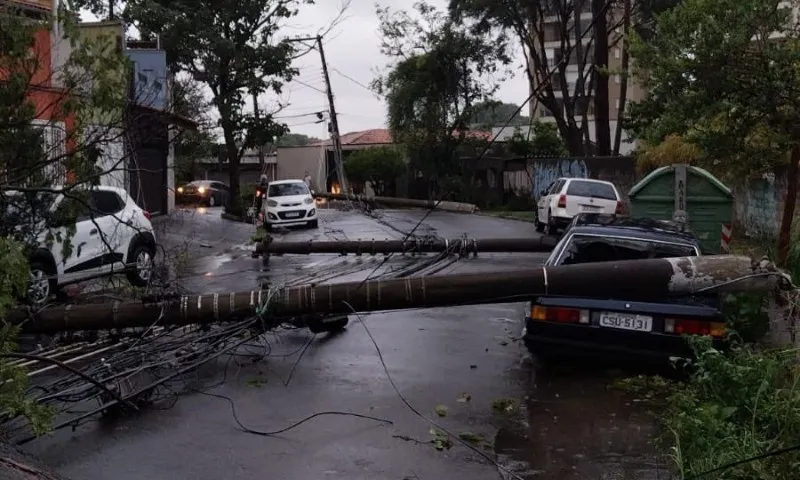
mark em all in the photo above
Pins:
pixel 640 279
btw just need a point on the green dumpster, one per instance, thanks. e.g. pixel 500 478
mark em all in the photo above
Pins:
pixel 691 195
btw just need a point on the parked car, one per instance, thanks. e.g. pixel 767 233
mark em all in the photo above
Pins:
pixel 112 235
pixel 567 197
pixel 289 203
pixel 206 192
pixel 603 326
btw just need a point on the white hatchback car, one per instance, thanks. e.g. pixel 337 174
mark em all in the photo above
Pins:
pixel 567 197
pixel 112 235
pixel 289 203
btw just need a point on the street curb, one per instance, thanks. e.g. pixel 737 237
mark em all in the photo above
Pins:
pixel 487 214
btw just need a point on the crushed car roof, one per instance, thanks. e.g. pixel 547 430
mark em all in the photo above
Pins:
pixel 645 228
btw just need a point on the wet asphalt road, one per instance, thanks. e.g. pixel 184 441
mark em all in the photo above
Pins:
pixel 434 356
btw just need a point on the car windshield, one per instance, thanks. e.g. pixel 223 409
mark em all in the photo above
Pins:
pixel 590 249
pixel 287 189
pixel 198 184
pixel 591 189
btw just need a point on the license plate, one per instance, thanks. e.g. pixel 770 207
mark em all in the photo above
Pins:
pixel 292 215
pixel 590 209
pixel 626 321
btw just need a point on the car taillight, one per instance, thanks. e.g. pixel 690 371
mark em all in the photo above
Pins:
pixel 562 201
pixel 620 208
pixel 682 326
pixel 559 314
pixel 146 214
pixel 258 193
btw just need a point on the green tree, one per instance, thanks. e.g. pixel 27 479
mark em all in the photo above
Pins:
pixel 34 169
pixel 440 73
pixel 723 75
pixel 493 113
pixel 569 100
pixel 189 101
pixel 232 47
pixel 543 141
pixel 380 166
pixel 295 140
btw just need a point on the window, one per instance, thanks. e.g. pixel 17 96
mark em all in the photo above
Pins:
pixel 591 189
pixel 616 79
pixel 71 210
pixel 287 189
pixel 616 53
pixel 558 186
pixel 106 203
pixel 616 104
pixel 591 249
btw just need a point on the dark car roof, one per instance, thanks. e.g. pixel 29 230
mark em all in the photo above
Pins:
pixel 637 227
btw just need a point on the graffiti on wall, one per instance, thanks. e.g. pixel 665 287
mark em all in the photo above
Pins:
pixel 761 207
pixel 546 172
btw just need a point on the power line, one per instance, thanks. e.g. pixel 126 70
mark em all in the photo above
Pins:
pixel 348 77
pixel 301 115
pixel 312 87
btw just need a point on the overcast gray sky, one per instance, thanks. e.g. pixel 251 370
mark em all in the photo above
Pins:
pixel 352 50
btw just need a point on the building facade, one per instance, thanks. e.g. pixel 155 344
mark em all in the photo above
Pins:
pixel 551 27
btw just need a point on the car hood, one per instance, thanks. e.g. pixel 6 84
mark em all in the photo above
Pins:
pixel 290 199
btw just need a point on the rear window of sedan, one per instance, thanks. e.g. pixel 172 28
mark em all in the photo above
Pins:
pixel 592 248
pixel 591 189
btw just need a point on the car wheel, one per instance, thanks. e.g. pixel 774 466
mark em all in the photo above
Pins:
pixel 142 271
pixel 539 225
pixel 42 282
pixel 313 224
pixel 212 202
pixel 548 228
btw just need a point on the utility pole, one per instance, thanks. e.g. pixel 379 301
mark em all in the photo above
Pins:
pixel 260 144
pixel 334 125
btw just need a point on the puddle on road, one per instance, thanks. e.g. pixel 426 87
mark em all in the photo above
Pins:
pixel 576 427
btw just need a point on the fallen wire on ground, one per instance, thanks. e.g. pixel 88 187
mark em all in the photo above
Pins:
pixel 88 375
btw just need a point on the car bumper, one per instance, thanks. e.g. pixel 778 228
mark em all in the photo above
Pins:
pixel 555 339
pixel 184 199
pixel 291 216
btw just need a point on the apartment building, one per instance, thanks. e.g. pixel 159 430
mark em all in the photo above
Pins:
pixel 552 30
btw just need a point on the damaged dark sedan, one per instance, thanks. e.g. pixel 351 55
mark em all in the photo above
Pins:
pixel 558 326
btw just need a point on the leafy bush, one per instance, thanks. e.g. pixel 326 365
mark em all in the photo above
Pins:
pixel 380 166
pixel 736 406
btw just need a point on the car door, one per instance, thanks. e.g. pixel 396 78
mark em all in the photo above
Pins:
pixel 541 209
pixel 546 201
pixel 80 259
pixel 114 225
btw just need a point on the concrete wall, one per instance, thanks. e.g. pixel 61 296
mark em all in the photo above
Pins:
pixel 759 204
pixel 621 171
pixel 293 162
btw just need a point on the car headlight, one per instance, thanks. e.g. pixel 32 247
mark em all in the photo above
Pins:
pixel 309 201
pixel 201 190
pixel 272 203
pixel 180 189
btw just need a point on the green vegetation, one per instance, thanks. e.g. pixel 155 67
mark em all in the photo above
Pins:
pixel 232 48
pixel 93 78
pixel 698 68
pixel 380 166
pixel 439 76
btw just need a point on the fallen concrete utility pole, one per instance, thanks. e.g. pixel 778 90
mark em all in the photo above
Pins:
pixel 457 207
pixel 463 246
pixel 652 279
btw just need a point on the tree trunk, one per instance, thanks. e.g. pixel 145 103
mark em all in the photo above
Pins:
pixel 235 206
pixel 785 234
pixel 600 68
pixel 623 88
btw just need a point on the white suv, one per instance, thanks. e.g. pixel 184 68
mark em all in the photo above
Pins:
pixel 289 203
pixel 112 235
pixel 567 197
